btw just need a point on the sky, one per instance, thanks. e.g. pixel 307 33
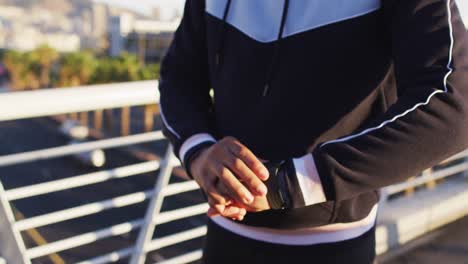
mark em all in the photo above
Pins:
pixel 145 6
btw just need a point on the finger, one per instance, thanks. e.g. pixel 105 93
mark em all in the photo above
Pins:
pixel 223 190
pixel 213 193
pixel 230 211
pixel 240 215
pixel 233 184
pixel 234 212
pixel 242 152
pixel 212 212
pixel 246 175
pixel 243 208
pixel 219 208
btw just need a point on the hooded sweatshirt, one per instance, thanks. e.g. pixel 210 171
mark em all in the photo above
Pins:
pixel 358 94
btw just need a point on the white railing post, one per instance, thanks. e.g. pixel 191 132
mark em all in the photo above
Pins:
pixel 12 247
pixel 154 208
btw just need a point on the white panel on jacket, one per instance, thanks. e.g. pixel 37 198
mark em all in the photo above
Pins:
pixel 463 7
pixel 260 19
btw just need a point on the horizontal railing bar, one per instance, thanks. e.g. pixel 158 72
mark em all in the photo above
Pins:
pixel 83 239
pixel 176 238
pixel 83 210
pixel 61 151
pixel 443 173
pixel 81 180
pixel 110 257
pixel 180 187
pixel 460 155
pixel 166 241
pixel 47 102
pixel 184 212
pixel 185 258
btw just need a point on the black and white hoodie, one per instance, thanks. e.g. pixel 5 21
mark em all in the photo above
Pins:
pixel 360 94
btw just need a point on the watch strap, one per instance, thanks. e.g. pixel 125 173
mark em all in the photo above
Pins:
pixel 275 195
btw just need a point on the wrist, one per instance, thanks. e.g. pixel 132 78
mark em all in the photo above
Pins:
pixel 192 155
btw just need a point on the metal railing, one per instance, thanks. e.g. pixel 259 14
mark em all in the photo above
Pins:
pixel 62 101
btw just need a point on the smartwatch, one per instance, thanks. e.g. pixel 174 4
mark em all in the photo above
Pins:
pixel 283 187
pixel 278 194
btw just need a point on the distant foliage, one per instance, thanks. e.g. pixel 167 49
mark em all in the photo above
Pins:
pixel 44 68
pixel 76 69
pixel 24 70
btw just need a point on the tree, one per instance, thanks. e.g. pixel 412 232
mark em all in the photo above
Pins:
pixel 127 67
pixel 45 67
pixel 124 68
pixel 149 72
pixel 76 69
pixel 23 70
pixel 14 65
pixel 45 56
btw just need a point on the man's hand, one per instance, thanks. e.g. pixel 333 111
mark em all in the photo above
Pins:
pixel 260 202
pixel 231 176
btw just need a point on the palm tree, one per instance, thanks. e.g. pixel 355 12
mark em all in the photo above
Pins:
pixel 32 71
pixel 14 63
pixel 23 69
pixel 105 71
pixel 77 68
pixel 149 72
pixel 128 68
pixel 45 57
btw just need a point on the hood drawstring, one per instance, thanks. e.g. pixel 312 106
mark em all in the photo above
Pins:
pixel 219 52
pixel 276 52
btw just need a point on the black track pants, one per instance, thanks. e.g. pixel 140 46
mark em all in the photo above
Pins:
pixel 221 246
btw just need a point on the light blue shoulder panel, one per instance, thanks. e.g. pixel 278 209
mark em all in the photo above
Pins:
pixel 260 19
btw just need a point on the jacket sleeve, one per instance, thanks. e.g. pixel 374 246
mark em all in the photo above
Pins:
pixel 427 124
pixel 185 103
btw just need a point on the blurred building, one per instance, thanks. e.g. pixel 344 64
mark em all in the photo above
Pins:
pixel 75 25
pixel 68 27
pixel 23 37
pixel 94 27
pixel 165 13
pixel 26 29
pixel 86 23
pixel 147 38
pixel 62 42
pixel 157 13
pixel 11 12
pixel 100 19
